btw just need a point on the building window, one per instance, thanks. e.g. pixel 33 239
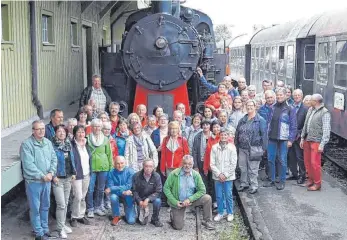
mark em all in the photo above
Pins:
pixel 341 64
pixel 47 29
pixel 73 32
pixel 5 23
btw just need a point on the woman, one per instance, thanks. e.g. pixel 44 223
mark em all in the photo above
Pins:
pixel 158 111
pixel 223 165
pixel 173 148
pixel 209 114
pixel 289 92
pixel 251 135
pixel 66 173
pixel 82 159
pixel 103 116
pixel 99 146
pixel 71 123
pixel 244 99
pixel 237 113
pixel 138 147
pixel 133 118
pixel 121 135
pixel 151 125
pixel 82 119
pixel 226 105
pixel 193 130
pixel 307 101
pixel 214 99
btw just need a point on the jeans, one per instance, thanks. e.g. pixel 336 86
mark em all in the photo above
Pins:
pixel 277 147
pixel 100 179
pixel 156 209
pixel 38 194
pixel 61 192
pixel 224 194
pixel 79 188
pixel 129 207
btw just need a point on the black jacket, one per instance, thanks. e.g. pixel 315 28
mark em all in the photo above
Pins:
pixel 142 189
pixel 196 151
pixel 87 92
pixel 77 159
pixel 300 119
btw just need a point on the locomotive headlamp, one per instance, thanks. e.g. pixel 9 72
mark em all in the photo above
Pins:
pixel 161 42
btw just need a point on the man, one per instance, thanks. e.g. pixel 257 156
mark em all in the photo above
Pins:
pixel 295 153
pixel 186 119
pixel 279 84
pixel 147 188
pixel 39 163
pixel 57 118
pixel 97 93
pixel 251 91
pixel 266 85
pixel 178 116
pixel 282 129
pixel 315 134
pixel 242 85
pixel 114 116
pixel 118 186
pixel 89 110
pixel 184 187
pixel 141 111
pixel 213 88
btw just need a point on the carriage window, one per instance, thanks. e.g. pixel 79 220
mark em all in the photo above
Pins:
pixel 322 66
pixel 323 52
pixel 274 60
pixel 309 71
pixel 267 58
pixel 309 62
pixel 290 61
pixel 341 51
pixel 281 52
pixel 309 53
pixel 341 64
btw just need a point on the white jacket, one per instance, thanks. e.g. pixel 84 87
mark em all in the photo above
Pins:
pixel 223 161
pixel 149 151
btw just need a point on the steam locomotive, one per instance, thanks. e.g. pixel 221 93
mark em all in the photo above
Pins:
pixel 161 48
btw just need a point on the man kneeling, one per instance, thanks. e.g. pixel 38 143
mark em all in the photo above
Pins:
pixel 119 183
pixel 147 188
pixel 184 187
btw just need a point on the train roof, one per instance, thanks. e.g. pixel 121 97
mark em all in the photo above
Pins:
pixel 326 24
pixel 241 41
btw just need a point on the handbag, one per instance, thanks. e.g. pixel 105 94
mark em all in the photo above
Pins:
pixel 255 153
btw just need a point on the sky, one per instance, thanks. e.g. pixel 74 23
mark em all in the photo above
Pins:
pixel 243 14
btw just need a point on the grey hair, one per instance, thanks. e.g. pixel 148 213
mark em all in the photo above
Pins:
pixel 113 104
pixel 307 97
pixel 106 125
pixel 103 113
pixel 299 91
pixel 317 97
pixel 36 122
pixel 222 111
pixel 251 87
pixel 96 76
pixel 152 117
pixel 54 111
pixel 96 121
pixel 70 120
pixel 252 101
pixel 164 115
pixel 147 160
pixel 269 92
pixel 228 78
pixel 188 157
pixel 281 89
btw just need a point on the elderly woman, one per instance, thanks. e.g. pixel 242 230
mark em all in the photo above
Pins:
pixel 82 158
pixel 151 125
pixel 103 116
pixel 138 147
pixel 99 146
pixel 307 101
pixel 237 113
pixel 173 148
pixel 66 173
pixel 251 141
pixel 193 130
pixel 121 136
pixel 133 118
pixel 71 123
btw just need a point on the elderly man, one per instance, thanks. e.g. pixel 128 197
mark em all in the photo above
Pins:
pixel 295 153
pixel 141 111
pixel 97 93
pixel 147 188
pixel 184 187
pixel 186 119
pixel 242 86
pixel 119 185
pixel 315 134
pixel 282 129
pixel 251 91
pixel 39 164
pixel 213 88
pixel 57 118
pixel 114 116
pixel 266 85
pixel 279 84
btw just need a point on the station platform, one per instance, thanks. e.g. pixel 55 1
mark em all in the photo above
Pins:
pixel 11 174
pixel 295 213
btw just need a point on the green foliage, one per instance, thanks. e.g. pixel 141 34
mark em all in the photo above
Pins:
pixel 236 231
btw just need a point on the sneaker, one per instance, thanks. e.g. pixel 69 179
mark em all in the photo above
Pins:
pixel 73 222
pixel 269 184
pixel 100 212
pixel 108 206
pixel 214 205
pixel 230 217
pixel 208 225
pixel 67 229
pixel 280 186
pixel 84 221
pixel 48 235
pixel 218 217
pixel 157 223
pixel 115 221
pixel 62 234
pixel 90 214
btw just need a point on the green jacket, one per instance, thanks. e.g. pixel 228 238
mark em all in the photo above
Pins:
pixel 172 185
pixel 101 156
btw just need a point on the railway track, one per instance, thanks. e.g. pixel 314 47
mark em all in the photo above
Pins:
pixel 337 163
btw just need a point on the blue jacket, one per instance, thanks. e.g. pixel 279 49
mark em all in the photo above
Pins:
pixel 155 136
pixel 259 131
pixel 120 181
pixel 264 111
pixel 213 88
pixel 49 131
pixel 78 164
pixel 61 162
pixel 38 159
pixel 120 143
pixel 287 126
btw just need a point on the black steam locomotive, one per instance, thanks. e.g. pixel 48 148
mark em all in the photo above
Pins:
pixel 161 48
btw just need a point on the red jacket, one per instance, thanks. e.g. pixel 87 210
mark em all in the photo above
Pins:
pixel 214 99
pixel 173 159
pixel 114 124
pixel 114 147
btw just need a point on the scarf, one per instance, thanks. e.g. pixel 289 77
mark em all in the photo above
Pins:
pixel 62 145
pixel 172 144
pixel 97 141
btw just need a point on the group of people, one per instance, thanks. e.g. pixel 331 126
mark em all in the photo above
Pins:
pixel 183 162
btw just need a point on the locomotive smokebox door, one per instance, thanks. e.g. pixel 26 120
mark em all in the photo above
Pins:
pixel 160 52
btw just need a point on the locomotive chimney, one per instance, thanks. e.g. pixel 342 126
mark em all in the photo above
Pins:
pixel 162 6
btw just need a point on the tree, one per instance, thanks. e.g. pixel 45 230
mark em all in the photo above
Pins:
pixel 222 32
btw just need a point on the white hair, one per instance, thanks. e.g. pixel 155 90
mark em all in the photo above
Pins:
pixel 106 125
pixel 251 87
pixel 96 121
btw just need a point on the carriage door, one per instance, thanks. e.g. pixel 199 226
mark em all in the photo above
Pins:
pixel 305 64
